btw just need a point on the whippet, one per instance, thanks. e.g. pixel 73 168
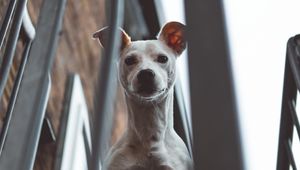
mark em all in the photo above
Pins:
pixel 147 72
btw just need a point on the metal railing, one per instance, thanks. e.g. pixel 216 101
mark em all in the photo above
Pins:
pixel 107 82
pixel 14 16
pixel 217 143
pixel 29 36
pixel 26 116
pixel 289 120
pixel 106 88
pixel 25 112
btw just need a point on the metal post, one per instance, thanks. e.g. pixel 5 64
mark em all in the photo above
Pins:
pixel 289 97
pixel 8 17
pixel 30 34
pixel 11 43
pixel 214 116
pixel 107 86
pixel 22 138
pixel 14 95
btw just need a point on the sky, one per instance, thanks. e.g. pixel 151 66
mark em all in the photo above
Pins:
pixel 258 31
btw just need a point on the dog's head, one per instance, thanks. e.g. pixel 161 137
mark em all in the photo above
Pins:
pixel 147 69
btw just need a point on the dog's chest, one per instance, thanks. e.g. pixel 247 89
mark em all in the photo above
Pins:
pixel 155 157
pixel 151 161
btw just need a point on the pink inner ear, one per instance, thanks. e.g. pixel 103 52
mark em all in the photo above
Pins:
pixel 173 35
pixel 175 40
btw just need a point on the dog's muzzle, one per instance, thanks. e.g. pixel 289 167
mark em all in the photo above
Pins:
pixel 146 82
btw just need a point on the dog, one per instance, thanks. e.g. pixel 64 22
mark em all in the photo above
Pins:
pixel 147 73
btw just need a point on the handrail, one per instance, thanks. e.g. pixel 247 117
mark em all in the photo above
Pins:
pixel 289 119
pixel 27 25
pixel 186 127
pixel 216 133
pixel 14 95
pixel 6 21
pixel 290 154
pixel 23 135
pixel 11 43
pixel 294 116
pixel 30 33
pixel 294 58
pixel 105 92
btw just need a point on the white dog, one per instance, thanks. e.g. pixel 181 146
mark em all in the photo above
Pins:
pixel 147 72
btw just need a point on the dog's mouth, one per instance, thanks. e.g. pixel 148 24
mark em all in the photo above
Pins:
pixel 146 90
pixel 146 85
pixel 149 94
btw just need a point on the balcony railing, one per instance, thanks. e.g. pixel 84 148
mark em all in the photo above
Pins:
pixel 26 109
pixel 289 120
pixel 19 22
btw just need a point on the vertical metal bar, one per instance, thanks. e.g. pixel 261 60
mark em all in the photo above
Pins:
pixel 11 44
pixel 286 123
pixel 87 146
pixel 14 94
pixel 294 116
pixel 8 16
pixel 30 33
pixel 293 55
pixel 107 85
pixel 27 25
pixel 290 155
pixel 187 131
pixel 64 122
pixel 22 138
pixel 215 121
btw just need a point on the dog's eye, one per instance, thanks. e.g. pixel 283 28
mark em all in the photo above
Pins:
pixel 162 59
pixel 130 60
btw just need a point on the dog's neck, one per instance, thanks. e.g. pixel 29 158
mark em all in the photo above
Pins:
pixel 149 122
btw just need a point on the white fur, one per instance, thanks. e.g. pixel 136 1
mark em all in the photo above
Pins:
pixel 150 141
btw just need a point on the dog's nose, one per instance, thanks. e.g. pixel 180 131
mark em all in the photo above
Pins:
pixel 146 76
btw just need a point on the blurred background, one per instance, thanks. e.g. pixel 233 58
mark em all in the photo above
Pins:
pixel 74 72
pixel 229 95
pixel 76 53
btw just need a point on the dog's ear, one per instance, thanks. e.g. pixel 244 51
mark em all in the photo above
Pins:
pixel 173 34
pixel 102 36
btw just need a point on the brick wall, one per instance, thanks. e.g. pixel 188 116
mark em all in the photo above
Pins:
pixel 77 53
